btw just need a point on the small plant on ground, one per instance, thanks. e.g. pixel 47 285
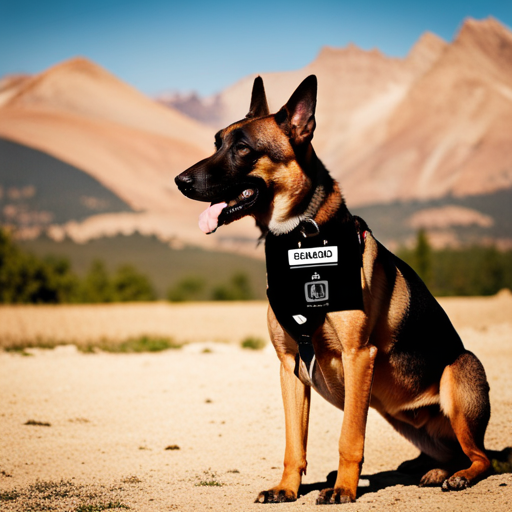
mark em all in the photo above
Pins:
pixel 9 495
pixel 131 480
pixel 99 507
pixel 35 423
pixel 209 480
pixel 253 343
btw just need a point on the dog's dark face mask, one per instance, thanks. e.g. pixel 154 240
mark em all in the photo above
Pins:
pixel 240 178
pixel 225 179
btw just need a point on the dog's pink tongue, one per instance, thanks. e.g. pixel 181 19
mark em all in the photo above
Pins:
pixel 209 219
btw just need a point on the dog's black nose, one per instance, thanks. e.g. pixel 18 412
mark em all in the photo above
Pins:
pixel 183 181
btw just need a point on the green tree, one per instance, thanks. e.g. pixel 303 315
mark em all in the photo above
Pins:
pixel 188 288
pixel 97 286
pixel 130 285
pixel 493 272
pixel 24 278
pixel 423 257
pixel 238 288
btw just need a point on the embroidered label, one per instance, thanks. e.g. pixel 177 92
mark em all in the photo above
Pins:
pixel 313 257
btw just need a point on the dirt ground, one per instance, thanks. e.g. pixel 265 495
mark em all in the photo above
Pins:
pixel 202 427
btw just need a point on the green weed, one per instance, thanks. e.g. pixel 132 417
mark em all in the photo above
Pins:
pixel 210 480
pixel 98 507
pixel 253 343
pixel 145 343
pixel 35 423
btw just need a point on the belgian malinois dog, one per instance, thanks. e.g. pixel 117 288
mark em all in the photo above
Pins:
pixel 385 343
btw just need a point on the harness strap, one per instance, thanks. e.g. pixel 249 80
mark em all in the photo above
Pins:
pixel 305 344
pixel 311 271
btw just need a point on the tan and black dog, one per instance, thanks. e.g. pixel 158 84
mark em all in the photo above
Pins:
pixel 397 353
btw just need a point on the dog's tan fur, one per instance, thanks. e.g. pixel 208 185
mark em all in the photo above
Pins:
pixel 356 363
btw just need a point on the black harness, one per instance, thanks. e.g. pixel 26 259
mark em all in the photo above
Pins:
pixel 312 271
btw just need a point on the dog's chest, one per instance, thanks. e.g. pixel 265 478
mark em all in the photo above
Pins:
pixel 326 378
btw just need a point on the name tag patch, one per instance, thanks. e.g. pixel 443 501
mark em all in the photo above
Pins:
pixel 316 256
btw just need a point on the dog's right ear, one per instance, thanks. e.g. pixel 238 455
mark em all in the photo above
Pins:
pixel 297 117
pixel 259 105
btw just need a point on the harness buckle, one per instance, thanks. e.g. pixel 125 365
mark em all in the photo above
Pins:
pixel 309 228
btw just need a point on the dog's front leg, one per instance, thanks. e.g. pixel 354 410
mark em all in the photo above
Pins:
pixel 358 363
pixel 296 400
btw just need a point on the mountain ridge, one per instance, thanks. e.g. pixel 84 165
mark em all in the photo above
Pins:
pixel 434 124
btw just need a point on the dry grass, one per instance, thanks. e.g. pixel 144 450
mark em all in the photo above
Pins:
pixel 113 324
pixel 128 327
pixel 62 496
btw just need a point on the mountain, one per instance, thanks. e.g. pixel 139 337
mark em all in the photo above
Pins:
pixel 448 135
pixel 433 126
pixel 85 117
pixel 420 141
pixel 38 190
pixel 421 127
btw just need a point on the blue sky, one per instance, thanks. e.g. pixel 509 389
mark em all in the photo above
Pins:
pixel 205 46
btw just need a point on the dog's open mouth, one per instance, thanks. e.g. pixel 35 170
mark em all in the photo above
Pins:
pixel 227 211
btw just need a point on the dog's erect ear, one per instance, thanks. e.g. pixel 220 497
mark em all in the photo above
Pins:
pixel 297 117
pixel 259 105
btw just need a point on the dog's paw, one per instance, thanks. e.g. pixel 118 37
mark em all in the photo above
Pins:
pixel 434 477
pixel 276 496
pixel 455 483
pixel 333 496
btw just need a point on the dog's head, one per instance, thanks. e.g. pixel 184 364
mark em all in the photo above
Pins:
pixel 260 167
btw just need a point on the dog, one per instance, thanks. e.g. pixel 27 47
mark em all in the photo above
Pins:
pixel 369 335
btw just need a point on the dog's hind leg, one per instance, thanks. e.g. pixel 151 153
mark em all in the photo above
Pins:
pixel 296 399
pixel 464 394
pixel 440 451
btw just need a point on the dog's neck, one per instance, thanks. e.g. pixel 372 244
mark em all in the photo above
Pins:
pixel 320 205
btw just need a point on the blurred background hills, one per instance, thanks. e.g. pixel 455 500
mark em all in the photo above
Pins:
pixel 422 142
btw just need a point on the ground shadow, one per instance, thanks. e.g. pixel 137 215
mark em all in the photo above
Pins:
pixel 408 473
pixel 377 481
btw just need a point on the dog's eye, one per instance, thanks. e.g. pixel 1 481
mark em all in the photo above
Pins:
pixel 242 149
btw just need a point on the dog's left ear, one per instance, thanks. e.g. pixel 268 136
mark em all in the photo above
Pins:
pixel 259 105
pixel 297 117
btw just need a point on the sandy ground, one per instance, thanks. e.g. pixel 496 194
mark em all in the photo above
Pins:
pixel 112 416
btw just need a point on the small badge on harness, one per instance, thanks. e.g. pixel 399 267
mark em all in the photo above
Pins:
pixel 316 291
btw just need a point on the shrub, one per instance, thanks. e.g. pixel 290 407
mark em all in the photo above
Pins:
pixel 238 288
pixel 27 279
pixel 187 288
pixel 254 343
